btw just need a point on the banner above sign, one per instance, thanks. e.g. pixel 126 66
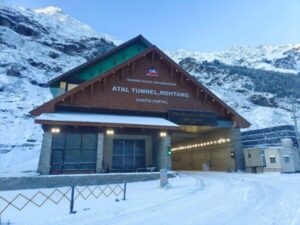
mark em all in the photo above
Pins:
pixel 151 82
pixel 196 118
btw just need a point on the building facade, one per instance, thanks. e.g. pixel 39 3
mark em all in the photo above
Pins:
pixel 270 136
pixel 128 109
pixel 281 158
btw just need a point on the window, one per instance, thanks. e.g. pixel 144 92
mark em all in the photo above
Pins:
pixel 272 160
pixel 62 85
pixel 89 141
pixel 71 86
pixel 58 141
pixel 73 141
pixel 73 152
pixel 249 155
pixel 128 154
pixel 286 159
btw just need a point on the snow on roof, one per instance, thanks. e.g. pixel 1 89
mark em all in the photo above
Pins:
pixel 106 119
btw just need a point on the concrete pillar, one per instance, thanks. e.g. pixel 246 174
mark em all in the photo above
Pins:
pixel 162 144
pixel 169 158
pixel 237 145
pixel 45 155
pixel 99 159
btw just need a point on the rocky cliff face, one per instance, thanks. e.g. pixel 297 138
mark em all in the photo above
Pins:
pixel 37 45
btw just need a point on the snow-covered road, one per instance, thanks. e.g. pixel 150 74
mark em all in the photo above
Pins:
pixel 195 198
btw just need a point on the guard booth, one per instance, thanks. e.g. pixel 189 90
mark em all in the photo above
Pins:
pixel 124 110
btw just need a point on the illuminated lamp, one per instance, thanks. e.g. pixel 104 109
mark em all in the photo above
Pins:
pixel 110 132
pixel 55 130
pixel 163 134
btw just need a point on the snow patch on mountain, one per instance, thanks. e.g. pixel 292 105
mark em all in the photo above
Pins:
pixel 50 10
pixel 284 58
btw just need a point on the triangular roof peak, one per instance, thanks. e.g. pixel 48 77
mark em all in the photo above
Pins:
pixel 137 39
pixel 200 89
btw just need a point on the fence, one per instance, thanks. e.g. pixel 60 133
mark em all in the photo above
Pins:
pixel 70 194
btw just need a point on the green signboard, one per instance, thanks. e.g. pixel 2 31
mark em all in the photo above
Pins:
pixel 196 118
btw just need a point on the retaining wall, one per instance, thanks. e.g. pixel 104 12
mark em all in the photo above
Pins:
pixel 53 181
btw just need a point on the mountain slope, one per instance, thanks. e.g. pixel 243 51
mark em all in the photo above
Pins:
pixel 35 46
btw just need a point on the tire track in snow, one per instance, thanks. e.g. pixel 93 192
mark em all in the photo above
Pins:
pixel 213 199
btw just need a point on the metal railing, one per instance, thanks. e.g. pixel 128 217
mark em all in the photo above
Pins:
pixel 70 194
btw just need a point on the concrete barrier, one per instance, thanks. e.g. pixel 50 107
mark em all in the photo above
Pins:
pixel 54 181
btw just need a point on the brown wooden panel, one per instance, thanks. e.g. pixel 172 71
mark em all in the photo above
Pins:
pixel 107 98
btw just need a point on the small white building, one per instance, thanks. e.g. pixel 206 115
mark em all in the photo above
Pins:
pixel 284 158
pixel 254 160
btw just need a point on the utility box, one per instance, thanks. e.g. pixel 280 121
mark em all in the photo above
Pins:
pixel 254 160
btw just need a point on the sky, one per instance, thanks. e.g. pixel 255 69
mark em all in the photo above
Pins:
pixel 197 25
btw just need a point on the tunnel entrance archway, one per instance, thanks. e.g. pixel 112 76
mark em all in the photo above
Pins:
pixel 203 148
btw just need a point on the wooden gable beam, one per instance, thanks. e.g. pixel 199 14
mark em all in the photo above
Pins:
pixel 152 56
pixel 104 83
pixel 132 69
pixel 72 99
pixel 223 110
pixel 92 90
pixel 205 97
pixel 197 92
pixel 122 73
pixel 181 78
pixel 171 71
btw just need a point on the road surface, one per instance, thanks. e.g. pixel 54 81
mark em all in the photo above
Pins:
pixel 196 198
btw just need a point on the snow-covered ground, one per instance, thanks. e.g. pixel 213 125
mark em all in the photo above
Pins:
pixel 212 198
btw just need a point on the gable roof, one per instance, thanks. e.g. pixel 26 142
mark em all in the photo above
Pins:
pixel 239 121
pixel 136 39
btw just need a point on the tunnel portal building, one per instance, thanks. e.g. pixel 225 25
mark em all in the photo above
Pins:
pixel 126 110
